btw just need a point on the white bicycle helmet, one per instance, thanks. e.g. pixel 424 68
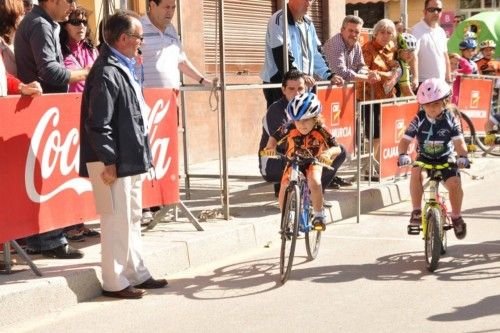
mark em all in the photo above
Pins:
pixel 432 90
pixel 407 41
pixel 487 43
pixel 304 106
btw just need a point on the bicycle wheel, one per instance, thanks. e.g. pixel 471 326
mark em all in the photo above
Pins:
pixel 289 230
pixel 433 244
pixel 313 239
pixel 472 136
pixel 469 132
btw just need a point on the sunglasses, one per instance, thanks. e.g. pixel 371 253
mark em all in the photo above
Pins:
pixel 77 22
pixel 136 36
pixel 434 10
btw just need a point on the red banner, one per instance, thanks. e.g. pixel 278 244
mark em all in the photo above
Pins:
pixel 338 112
pixel 394 121
pixel 475 100
pixel 39 148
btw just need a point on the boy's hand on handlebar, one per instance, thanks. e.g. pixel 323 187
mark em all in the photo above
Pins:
pixel 268 152
pixel 324 159
pixel 404 159
pixel 463 162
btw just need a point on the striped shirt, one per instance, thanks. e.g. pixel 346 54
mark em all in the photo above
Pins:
pixel 162 52
pixel 343 61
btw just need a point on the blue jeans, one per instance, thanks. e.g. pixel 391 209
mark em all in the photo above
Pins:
pixel 46 241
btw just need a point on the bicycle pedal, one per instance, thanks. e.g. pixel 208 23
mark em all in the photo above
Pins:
pixel 448 227
pixel 413 230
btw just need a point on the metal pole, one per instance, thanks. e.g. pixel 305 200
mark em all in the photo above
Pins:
pixel 225 192
pixel 403 8
pixel 358 139
pixel 285 37
pixel 187 180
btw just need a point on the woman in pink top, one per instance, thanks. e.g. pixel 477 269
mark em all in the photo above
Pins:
pixel 76 45
pixel 460 65
pixel 79 52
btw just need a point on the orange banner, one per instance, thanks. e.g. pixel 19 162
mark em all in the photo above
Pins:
pixel 338 112
pixel 394 121
pixel 475 100
pixel 39 148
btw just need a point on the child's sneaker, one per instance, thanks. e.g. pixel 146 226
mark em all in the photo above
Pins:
pixel 318 222
pixel 416 218
pixel 459 227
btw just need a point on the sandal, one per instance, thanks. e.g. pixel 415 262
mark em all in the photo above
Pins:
pixel 459 227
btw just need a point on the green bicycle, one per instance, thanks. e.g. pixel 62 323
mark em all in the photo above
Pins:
pixel 435 218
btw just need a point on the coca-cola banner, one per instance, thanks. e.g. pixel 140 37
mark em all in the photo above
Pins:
pixel 39 159
pixel 338 112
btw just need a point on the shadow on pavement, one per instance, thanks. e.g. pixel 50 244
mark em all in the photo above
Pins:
pixel 462 263
pixel 488 306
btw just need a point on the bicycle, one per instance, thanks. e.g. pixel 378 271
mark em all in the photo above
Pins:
pixel 297 215
pixel 435 218
pixel 472 137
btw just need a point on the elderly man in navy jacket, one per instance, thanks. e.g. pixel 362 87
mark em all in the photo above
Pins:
pixel 113 132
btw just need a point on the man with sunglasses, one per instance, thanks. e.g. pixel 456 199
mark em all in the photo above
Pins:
pixel 432 50
pixel 113 134
pixel 39 58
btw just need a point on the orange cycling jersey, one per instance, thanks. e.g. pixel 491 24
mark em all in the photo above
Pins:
pixel 488 67
pixel 311 144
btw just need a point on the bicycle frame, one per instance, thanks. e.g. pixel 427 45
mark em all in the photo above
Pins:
pixel 297 177
pixel 434 200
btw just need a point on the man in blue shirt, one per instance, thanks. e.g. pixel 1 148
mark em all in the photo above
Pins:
pixel 304 51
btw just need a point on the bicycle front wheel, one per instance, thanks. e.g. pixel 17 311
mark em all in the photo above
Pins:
pixel 433 244
pixel 313 239
pixel 289 230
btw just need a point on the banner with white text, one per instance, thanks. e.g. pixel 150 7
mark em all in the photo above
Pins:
pixel 338 113
pixel 40 189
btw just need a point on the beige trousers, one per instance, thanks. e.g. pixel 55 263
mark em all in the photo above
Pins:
pixel 121 244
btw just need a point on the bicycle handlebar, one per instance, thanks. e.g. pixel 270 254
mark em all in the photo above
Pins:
pixel 301 160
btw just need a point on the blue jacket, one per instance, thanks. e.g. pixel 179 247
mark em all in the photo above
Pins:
pixel 273 66
pixel 112 128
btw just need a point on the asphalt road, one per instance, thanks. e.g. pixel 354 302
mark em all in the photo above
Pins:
pixel 368 277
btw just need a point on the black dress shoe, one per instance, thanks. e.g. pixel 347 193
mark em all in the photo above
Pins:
pixel 127 293
pixel 33 252
pixel 63 252
pixel 341 182
pixel 152 284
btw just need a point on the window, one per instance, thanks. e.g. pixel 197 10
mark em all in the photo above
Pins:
pixel 473 7
pixel 371 13
pixel 245 25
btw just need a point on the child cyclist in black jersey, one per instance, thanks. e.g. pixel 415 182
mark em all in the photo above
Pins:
pixel 307 136
pixel 439 136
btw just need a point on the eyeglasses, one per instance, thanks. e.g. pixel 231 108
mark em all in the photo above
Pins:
pixel 77 22
pixel 434 10
pixel 136 36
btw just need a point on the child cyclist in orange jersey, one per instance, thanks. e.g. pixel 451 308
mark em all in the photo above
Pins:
pixel 439 136
pixel 307 136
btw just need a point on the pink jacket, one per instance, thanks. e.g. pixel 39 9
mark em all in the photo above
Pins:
pixel 464 67
pixel 81 57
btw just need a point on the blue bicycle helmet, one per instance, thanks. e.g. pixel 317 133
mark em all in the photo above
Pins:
pixel 304 106
pixel 467 44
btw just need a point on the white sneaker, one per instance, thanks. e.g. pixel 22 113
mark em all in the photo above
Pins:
pixel 147 217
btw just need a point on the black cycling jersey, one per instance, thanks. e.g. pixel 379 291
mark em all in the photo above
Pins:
pixel 434 137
